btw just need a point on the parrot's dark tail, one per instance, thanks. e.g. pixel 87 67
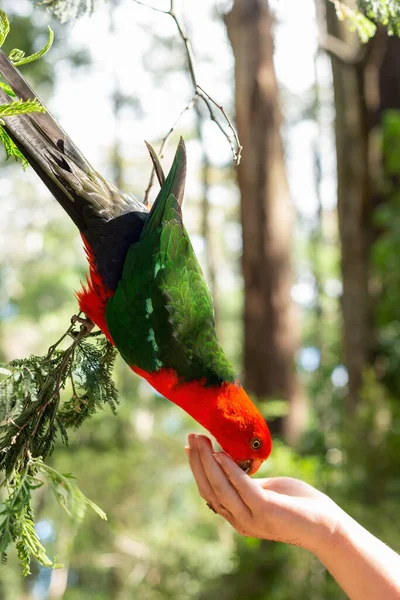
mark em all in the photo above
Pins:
pixel 58 161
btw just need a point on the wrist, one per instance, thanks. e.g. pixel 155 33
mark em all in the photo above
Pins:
pixel 328 530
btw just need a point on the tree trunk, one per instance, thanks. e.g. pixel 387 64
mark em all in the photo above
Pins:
pixel 366 81
pixel 351 130
pixel 270 331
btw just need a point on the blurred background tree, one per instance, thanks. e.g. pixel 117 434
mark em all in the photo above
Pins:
pixel 270 330
pixel 321 143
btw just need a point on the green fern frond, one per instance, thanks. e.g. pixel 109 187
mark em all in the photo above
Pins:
pixel 67 493
pixel 18 56
pixel 18 107
pixel 33 411
pixel 17 524
pixel 32 406
pixel 10 148
pixel 21 107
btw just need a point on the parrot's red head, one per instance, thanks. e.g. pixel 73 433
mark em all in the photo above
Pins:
pixel 225 410
pixel 240 428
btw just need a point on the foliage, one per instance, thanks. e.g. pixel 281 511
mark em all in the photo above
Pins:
pixel 67 10
pixel 18 107
pixel 369 13
pixel 32 414
pixel 18 56
pixel 31 410
pixel 358 21
pixel 10 148
pixel 385 255
pixel 4 27
pixel 386 12
pixel 16 513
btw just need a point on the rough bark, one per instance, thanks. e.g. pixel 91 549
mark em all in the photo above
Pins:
pixel 270 332
pixel 354 209
pixel 366 81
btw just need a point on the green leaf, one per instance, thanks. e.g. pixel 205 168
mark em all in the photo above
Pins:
pixel 4 26
pixel 10 148
pixel 96 509
pixel 18 107
pixel 29 544
pixel 18 56
pixel 68 495
pixel 17 524
pixel 21 107
pixel 8 90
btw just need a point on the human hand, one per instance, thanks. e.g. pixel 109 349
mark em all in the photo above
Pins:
pixel 278 508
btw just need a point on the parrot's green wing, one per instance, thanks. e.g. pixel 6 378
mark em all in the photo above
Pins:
pixel 161 314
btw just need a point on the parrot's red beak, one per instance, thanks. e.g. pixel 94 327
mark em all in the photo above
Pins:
pixel 257 462
pixel 250 466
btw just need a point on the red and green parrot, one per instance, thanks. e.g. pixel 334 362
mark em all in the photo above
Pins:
pixel 145 289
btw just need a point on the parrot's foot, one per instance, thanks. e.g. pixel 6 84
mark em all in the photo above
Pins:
pixel 86 324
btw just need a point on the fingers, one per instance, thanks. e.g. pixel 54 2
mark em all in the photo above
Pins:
pixel 205 489
pixel 277 508
pixel 224 492
pixel 248 490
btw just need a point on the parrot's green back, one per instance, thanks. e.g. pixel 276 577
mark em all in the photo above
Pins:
pixel 161 315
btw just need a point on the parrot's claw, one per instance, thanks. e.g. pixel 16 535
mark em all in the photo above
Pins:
pixel 86 323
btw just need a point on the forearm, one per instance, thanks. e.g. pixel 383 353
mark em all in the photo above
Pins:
pixel 364 567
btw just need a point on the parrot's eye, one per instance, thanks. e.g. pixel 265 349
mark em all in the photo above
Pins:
pixel 256 443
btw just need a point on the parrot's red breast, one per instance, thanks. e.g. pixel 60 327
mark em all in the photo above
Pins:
pixel 93 296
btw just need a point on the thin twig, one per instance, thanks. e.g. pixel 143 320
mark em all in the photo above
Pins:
pixel 160 10
pixel 189 106
pixel 64 335
pixel 233 139
pixel 237 152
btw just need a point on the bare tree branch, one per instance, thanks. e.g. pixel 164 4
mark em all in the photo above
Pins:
pixel 235 144
pixel 231 135
pixel 337 48
pixel 160 10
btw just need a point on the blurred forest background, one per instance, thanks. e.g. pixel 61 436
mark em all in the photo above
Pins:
pixel 300 245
